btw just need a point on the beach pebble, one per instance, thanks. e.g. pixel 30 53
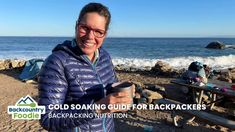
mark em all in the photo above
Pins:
pixel 17 63
pixel 14 63
pixel 2 67
pixel 31 82
pixel 149 100
pixel 151 94
pixel 232 70
pixel 7 64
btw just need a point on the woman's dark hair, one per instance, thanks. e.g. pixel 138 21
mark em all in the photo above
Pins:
pixel 98 8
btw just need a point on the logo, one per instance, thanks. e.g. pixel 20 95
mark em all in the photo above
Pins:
pixel 26 108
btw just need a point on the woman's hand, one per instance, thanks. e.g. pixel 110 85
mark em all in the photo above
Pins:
pixel 122 98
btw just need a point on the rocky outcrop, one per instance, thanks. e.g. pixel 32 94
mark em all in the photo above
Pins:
pixel 227 75
pixel 215 45
pixel 160 68
pixel 232 74
pixel 119 67
pixel 145 93
pixel 164 69
pixel 9 64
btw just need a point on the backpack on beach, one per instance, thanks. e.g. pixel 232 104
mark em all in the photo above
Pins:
pixel 195 66
pixel 195 71
pixel 196 74
pixel 31 69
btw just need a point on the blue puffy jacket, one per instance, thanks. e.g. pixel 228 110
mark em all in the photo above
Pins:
pixel 68 77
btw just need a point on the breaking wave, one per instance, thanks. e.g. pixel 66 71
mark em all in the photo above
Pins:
pixel 219 62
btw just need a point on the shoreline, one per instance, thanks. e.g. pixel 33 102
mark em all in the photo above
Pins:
pixel 14 63
pixel 160 69
pixel 221 62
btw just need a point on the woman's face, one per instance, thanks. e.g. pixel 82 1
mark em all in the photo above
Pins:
pixel 90 33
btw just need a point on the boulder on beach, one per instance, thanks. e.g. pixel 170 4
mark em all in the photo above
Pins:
pixel 2 66
pixel 143 94
pixel 215 45
pixel 232 74
pixel 8 64
pixel 227 75
pixel 161 67
pixel 164 69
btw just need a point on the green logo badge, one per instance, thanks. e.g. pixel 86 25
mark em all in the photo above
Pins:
pixel 26 108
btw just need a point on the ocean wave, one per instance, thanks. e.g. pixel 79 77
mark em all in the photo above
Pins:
pixel 219 62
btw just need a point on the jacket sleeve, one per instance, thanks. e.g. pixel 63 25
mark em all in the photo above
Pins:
pixel 53 88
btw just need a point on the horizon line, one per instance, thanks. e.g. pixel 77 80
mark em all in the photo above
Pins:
pixel 229 36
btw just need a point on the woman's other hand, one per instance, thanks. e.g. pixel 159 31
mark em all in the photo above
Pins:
pixel 118 98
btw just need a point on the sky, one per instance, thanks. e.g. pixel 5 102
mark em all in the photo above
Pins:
pixel 130 18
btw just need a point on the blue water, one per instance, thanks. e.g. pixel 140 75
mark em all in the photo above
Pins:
pixel 152 48
pixel 136 52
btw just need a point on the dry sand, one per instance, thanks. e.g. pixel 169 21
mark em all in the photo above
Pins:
pixel 12 89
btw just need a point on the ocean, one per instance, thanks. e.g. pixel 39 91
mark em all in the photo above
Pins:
pixel 138 53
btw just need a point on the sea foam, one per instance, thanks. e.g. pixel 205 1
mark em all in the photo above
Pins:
pixel 219 62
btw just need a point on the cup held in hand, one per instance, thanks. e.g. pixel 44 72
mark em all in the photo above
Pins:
pixel 122 87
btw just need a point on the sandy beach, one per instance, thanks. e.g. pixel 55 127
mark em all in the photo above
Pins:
pixel 11 89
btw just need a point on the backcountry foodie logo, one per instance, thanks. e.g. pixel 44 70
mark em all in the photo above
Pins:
pixel 26 108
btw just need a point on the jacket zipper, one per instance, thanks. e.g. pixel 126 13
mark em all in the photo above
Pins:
pixel 103 95
pixel 98 77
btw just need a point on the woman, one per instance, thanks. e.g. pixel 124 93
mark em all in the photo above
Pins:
pixel 79 72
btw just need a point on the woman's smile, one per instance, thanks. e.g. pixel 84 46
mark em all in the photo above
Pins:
pixel 88 44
